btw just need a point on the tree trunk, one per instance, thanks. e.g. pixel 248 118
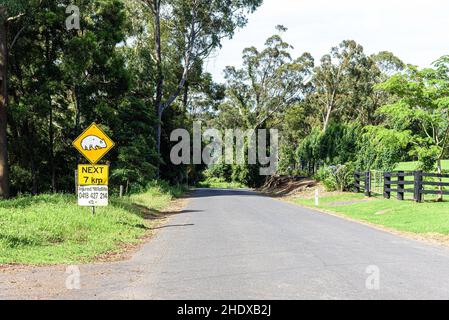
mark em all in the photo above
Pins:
pixel 328 116
pixel 77 102
pixel 4 167
pixel 185 98
pixel 160 76
pixel 51 134
pixel 52 153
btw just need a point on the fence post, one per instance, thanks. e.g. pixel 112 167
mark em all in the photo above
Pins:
pixel 417 196
pixel 401 185
pixel 357 182
pixel 121 191
pixel 368 183
pixel 387 185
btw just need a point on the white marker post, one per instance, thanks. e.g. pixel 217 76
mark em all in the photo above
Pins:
pixel 317 200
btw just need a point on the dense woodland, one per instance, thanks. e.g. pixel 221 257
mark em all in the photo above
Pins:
pixel 137 68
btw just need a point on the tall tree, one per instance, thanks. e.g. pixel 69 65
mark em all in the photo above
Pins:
pixel 195 28
pixel 269 83
pixel 9 10
pixel 344 83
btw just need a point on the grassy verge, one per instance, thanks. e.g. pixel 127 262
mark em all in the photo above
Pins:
pixel 220 184
pixel 408 216
pixel 52 229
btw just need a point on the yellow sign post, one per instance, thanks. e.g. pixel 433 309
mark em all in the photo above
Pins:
pixel 93 143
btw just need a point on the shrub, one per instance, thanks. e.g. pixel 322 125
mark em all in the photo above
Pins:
pixel 336 178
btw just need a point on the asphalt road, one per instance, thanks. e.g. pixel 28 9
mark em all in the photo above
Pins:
pixel 241 245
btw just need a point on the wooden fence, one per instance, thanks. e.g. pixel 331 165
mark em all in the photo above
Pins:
pixel 363 182
pixel 402 183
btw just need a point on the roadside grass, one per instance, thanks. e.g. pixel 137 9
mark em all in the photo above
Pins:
pixel 157 195
pixel 220 184
pixel 52 229
pixel 420 218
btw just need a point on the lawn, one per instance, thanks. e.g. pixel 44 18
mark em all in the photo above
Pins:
pixel 420 218
pixel 52 229
pixel 414 165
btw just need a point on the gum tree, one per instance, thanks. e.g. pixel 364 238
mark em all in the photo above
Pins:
pixel 9 10
pixel 194 28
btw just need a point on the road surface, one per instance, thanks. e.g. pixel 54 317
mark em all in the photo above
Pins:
pixel 230 244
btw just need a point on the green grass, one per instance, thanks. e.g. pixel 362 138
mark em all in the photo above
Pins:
pixel 52 229
pixel 158 195
pixel 414 165
pixel 420 218
pixel 220 184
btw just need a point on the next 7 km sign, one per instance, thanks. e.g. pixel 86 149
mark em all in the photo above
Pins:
pixel 89 175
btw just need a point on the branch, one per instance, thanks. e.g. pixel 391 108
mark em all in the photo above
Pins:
pixel 15 17
pixel 17 37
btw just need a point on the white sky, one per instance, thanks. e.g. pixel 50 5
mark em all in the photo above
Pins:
pixel 417 31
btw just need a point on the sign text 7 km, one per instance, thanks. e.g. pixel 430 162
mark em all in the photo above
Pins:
pixel 93 175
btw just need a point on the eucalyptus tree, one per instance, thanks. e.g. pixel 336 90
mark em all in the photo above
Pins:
pixel 10 10
pixel 345 82
pixel 269 82
pixel 193 28
pixel 331 79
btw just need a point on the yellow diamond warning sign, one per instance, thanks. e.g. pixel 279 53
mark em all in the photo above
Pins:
pixel 93 143
pixel 93 175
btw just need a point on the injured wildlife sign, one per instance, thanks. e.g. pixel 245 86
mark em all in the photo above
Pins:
pixel 93 196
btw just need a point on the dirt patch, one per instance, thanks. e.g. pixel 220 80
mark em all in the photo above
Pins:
pixel 379 213
pixel 346 203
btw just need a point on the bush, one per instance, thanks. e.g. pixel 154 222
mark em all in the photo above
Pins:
pixel 336 178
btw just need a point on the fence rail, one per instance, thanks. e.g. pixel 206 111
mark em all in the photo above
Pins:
pixel 401 185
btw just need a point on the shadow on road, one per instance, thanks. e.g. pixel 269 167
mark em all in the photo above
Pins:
pixel 204 193
pixel 173 226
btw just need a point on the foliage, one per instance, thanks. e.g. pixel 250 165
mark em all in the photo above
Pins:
pixel 421 110
pixel 337 177
pixel 137 68
pixel 381 148
pixel 220 183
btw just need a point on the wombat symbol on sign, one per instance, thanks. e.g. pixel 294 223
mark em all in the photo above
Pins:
pixel 93 142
